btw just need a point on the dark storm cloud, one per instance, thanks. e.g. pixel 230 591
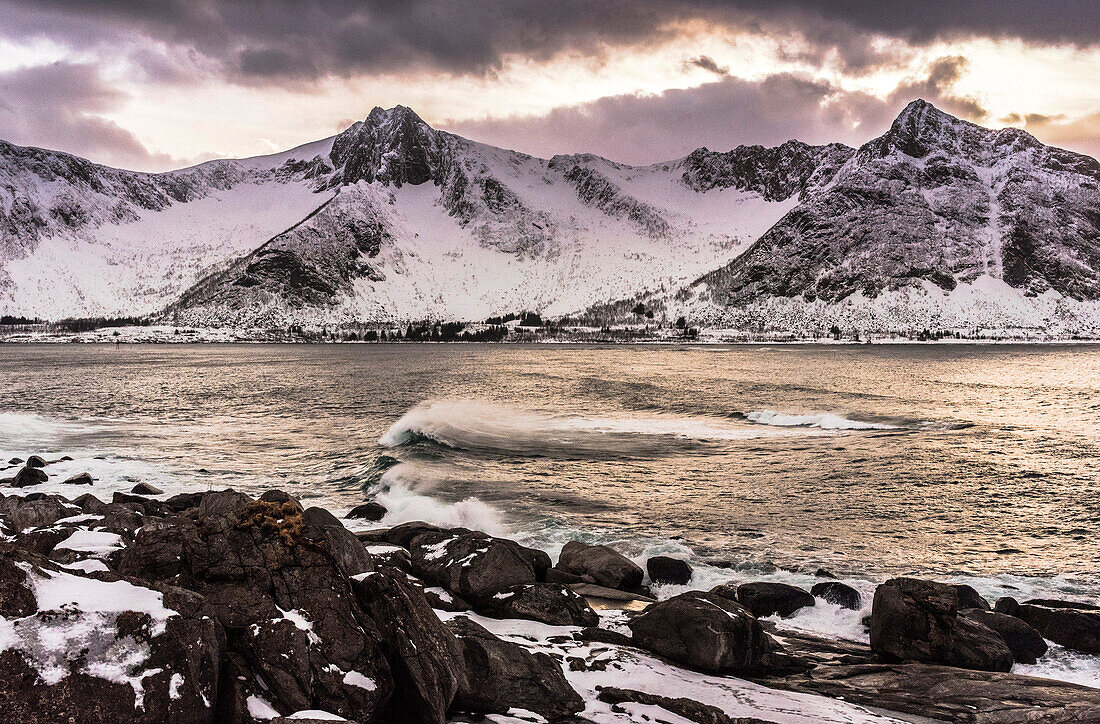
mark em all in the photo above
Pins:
pixel 270 42
pixel 55 105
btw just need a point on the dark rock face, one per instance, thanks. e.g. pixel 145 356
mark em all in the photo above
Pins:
pixel 945 693
pixel 392 146
pixel 969 598
pixel 425 657
pixel 703 631
pixel 367 511
pixel 502 675
pixel 255 560
pixel 474 565
pixel 79 479
pixel 550 603
pixel 839 593
pixel 601 565
pixel 594 189
pixel 663 569
pixel 1074 628
pixel 762 598
pixel 1026 644
pixel 775 173
pixel 918 620
pixel 22 513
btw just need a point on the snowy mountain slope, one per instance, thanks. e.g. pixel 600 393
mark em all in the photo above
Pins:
pixel 934 205
pixel 465 231
pixel 79 239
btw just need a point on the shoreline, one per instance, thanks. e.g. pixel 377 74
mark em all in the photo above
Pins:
pixel 454 570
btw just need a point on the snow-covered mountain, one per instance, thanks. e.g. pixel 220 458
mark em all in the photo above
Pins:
pixel 392 220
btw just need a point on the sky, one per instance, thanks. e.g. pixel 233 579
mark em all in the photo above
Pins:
pixel 160 84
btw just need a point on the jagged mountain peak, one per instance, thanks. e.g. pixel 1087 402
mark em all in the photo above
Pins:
pixel 394 146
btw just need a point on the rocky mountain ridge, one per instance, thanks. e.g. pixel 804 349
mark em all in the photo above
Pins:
pixel 393 220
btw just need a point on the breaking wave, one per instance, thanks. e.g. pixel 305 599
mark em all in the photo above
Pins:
pixel 823 421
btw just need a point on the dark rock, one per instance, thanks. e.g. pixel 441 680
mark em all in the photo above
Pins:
pixel 146 489
pixel 839 593
pixel 917 620
pixel 686 708
pixel 426 660
pixel 550 603
pixel 34 461
pixel 15 461
pixel 79 479
pixel 368 511
pixel 16 598
pixel 609 595
pixel 1058 603
pixel 603 636
pixel 402 535
pixel 24 513
pixel 183 501
pixel 1027 644
pixel 969 598
pixel 763 598
pixel 28 476
pixel 663 569
pixel 501 675
pixel 703 631
pixel 474 565
pixel 824 573
pixel 443 600
pixel 601 565
pixel 88 503
pixel 556 575
pixel 944 693
pixel 391 555
pixel 1074 628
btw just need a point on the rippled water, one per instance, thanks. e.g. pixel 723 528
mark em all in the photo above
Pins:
pixel 872 460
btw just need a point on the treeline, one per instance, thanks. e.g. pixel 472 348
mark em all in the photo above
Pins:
pixel 83 324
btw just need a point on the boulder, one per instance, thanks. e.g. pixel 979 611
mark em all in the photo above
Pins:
pixel 473 565
pixel 501 675
pixel 426 660
pixel 683 708
pixel 35 461
pixel 15 461
pixel 970 598
pixel 24 513
pixel 839 593
pixel 763 598
pixel 550 603
pixel 79 479
pixel 402 535
pixel 917 620
pixel 367 511
pixel 28 476
pixel 88 503
pixel 601 565
pixel 703 631
pixel 666 570
pixel 1075 628
pixel 1027 644
pixel 146 489
pixel 1059 603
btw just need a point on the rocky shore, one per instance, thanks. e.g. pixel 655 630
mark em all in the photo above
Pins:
pixel 220 607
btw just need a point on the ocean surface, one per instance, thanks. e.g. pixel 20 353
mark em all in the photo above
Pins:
pixel 977 463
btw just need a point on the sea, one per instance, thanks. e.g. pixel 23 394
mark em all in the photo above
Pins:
pixel 963 463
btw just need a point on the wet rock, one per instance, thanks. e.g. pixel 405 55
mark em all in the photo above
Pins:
pixel 474 565
pixel 763 598
pixel 688 709
pixel 603 636
pixel 24 513
pixel 839 593
pixel 35 461
pixel 703 631
pixel 79 479
pixel 550 603
pixel 1058 603
pixel 15 461
pixel 88 503
pixel 917 620
pixel 28 476
pixel 944 693
pixel 426 660
pixel 601 565
pixel 368 511
pixel 146 489
pixel 824 573
pixel 1027 644
pixel 402 535
pixel 663 569
pixel 970 598
pixel 389 555
pixel 1075 628
pixel 501 675
pixel 182 502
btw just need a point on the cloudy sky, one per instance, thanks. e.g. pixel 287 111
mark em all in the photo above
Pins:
pixel 156 84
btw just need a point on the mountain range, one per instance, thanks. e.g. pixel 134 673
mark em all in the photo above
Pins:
pixel 937 223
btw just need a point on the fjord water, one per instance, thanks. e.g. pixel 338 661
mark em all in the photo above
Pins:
pixel 949 460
